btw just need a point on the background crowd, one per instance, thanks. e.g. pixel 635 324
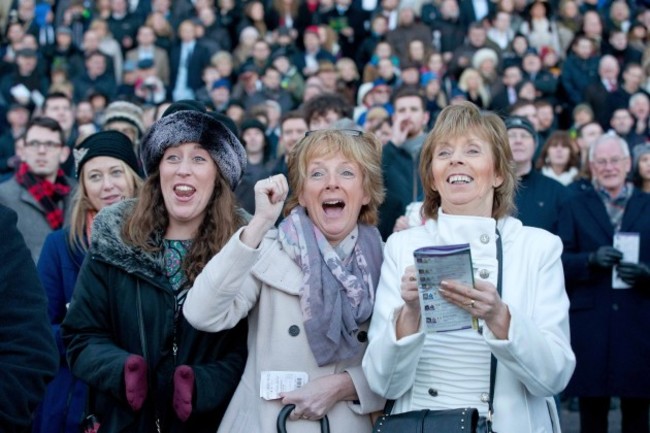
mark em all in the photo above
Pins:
pixel 570 77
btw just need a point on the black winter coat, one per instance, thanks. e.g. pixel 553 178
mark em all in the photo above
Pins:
pixel 123 304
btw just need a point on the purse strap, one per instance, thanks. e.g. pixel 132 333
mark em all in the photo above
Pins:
pixel 493 361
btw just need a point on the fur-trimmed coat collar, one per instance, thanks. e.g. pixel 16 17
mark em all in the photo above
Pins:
pixel 107 244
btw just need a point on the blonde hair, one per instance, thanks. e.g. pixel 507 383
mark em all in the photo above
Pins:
pixel 81 206
pixel 460 120
pixel 361 147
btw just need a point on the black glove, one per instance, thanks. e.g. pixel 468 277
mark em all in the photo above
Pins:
pixel 633 273
pixel 605 257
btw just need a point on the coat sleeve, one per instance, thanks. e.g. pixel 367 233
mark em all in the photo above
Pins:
pixel 390 364
pixel 86 331
pixel 225 291
pixel 50 272
pixel 575 261
pixel 538 348
pixel 28 356
pixel 216 382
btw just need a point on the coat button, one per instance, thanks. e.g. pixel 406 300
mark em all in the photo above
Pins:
pixel 615 307
pixel 294 330
pixel 433 392
pixel 485 239
pixel 362 336
pixel 484 273
pixel 485 397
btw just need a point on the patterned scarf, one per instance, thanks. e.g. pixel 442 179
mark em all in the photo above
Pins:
pixel 336 295
pixel 46 193
pixel 615 205
pixel 174 253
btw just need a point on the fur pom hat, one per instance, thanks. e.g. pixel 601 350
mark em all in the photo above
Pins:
pixel 189 126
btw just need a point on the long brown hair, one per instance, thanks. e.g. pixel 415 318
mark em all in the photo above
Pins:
pixel 149 220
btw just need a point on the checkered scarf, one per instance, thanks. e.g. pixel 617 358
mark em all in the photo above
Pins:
pixel 46 193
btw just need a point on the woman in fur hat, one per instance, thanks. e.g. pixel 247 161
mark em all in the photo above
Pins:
pixel 147 368
pixel 307 288
pixel 106 168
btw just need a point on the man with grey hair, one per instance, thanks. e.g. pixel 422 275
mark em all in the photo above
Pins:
pixel 599 94
pixel 611 348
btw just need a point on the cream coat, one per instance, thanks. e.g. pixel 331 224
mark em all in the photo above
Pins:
pixel 264 283
pixel 534 363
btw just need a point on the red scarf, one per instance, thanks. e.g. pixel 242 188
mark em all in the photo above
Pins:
pixel 46 193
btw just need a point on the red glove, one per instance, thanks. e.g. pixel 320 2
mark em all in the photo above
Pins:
pixel 135 379
pixel 183 391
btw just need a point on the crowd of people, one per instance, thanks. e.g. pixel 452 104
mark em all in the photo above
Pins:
pixel 150 147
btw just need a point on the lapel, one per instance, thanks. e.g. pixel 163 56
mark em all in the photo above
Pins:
pixel 27 198
pixel 276 269
pixel 595 209
pixel 635 208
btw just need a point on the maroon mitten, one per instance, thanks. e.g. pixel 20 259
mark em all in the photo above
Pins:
pixel 183 391
pixel 135 379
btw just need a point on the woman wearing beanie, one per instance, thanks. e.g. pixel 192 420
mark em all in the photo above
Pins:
pixel 106 168
pixel 307 288
pixel 148 370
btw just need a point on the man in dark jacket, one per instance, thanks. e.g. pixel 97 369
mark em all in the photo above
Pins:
pixel 28 355
pixel 539 197
pixel 401 157
pixel 608 335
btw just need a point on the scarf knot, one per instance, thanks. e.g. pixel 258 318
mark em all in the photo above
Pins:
pixel 337 294
pixel 49 195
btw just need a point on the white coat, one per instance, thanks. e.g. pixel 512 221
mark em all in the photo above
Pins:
pixel 534 363
pixel 266 282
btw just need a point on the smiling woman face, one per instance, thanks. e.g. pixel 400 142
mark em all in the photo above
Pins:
pixel 333 195
pixel 464 175
pixel 106 181
pixel 187 178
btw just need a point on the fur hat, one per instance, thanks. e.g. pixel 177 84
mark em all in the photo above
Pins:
pixel 105 143
pixel 125 112
pixel 190 126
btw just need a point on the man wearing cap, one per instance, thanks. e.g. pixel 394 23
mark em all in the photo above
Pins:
pixel 539 197
pixel 608 315
pixel 63 53
pixel 39 192
pixel 148 87
pixel 255 143
pixel 95 78
pixel 220 94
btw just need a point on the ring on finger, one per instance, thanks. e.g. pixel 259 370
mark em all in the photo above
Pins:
pixel 471 303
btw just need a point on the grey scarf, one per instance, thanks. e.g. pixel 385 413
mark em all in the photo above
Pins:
pixel 337 295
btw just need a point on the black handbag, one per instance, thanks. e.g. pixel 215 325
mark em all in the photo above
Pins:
pixel 284 414
pixel 434 421
pixel 464 420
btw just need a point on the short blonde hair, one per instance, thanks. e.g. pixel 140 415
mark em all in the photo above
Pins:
pixel 361 147
pixel 459 120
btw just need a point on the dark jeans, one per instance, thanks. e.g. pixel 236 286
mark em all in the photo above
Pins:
pixel 595 410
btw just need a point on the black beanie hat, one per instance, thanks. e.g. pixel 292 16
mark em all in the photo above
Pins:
pixel 192 126
pixel 519 122
pixel 105 143
pixel 250 124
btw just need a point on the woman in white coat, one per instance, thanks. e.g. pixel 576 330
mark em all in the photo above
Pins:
pixel 308 288
pixel 469 185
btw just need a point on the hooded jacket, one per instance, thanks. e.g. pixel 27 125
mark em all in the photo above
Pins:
pixel 123 304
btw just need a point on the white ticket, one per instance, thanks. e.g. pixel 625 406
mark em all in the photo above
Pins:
pixel 273 383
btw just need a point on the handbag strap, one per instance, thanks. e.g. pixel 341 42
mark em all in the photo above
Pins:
pixel 493 359
pixel 284 414
pixel 388 408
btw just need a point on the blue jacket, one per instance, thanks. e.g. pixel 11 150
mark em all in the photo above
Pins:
pixel 538 201
pixel 65 398
pixel 608 326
